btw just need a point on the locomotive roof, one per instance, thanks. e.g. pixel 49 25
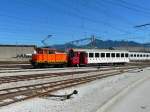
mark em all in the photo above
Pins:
pixel 99 50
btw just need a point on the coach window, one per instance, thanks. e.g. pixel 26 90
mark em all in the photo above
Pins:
pixel 96 55
pixel 107 54
pixel 131 55
pixel 138 55
pixel 112 54
pixel 117 55
pixel 122 55
pixel 102 55
pixel 91 55
pixel 134 55
pixel 126 55
pixel 147 55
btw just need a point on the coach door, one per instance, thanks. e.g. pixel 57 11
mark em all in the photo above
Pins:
pixel 83 58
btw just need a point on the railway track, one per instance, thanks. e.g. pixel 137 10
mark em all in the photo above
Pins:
pixel 16 94
pixel 52 69
pixel 35 70
pixel 30 69
pixel 9 79
pixel 15 66
pixel 43 69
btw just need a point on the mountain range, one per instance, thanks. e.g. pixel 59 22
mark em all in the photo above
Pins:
pixel 103 44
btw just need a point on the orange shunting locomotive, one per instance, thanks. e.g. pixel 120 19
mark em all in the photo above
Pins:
pixel 47 56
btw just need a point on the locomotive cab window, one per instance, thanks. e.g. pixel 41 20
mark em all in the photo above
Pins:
pixel 45 51
pixel 91 55
pixel 51 52
pixel 96 55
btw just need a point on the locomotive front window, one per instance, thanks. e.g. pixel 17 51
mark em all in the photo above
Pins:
pixel 91 55
pixel 40 52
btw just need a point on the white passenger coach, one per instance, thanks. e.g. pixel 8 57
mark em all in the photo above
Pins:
pixel 100 56
pixel 106 56
pixel 139 56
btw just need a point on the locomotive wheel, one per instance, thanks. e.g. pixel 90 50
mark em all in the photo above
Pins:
pixel 36 65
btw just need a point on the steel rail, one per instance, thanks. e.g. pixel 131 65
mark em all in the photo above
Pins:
pixel 16 94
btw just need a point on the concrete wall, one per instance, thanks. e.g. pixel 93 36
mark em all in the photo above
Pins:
pixel 16 52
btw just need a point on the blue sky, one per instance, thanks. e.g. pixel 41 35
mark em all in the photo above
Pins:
pixel 30 21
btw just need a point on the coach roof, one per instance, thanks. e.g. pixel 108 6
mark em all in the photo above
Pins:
pixel 99 50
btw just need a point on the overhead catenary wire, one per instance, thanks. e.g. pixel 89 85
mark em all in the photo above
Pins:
pixel 139 7
pixel 24 22
pixel 102 22
pixel 74 13
pixel 130 8
pixel 109 14
pixel 85 18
